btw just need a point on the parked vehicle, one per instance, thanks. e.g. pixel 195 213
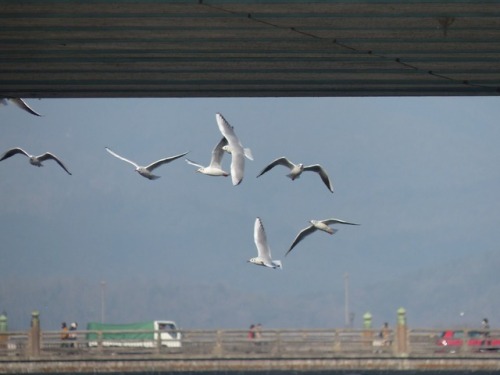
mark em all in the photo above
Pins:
pixel 452 341
pixel 145 334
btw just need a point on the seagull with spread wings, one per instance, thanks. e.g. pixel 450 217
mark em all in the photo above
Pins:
pixel 263 257
pixel 34 160
pixel 235 148
pixel 146 171
pixel 20 103
pixel 317 225
pixel 297 169
pixel 214 168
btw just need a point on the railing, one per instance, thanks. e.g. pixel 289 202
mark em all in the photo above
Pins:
pixel 326 343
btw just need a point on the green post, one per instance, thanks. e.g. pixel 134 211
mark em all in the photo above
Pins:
pixel 35 334
pixel 3 322
pixel 367 320
pixel 402 332
pixel 3 330
pixel 367 332
pixel 401 317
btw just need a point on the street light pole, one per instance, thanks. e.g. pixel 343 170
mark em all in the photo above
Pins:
pixel 103 289
pixel 346 300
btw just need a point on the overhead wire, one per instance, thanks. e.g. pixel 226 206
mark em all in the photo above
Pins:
pixel 398 60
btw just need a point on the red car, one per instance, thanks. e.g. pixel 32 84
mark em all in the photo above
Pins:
pixel 476 341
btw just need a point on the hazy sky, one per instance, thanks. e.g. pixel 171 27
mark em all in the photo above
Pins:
pixel 421 176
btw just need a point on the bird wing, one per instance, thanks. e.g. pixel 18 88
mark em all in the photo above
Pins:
pixel 237 151
pixel 259 235
pixel 280 161
pixel 227 131
pixel 302 234
pixel 157 163
pixel 237 167
pixel 13 151
pixel 337 221
pixel 324 176
pixel 48 155
pixel 121 157
pixel 218 153
pixel 193 163
pixel 23 105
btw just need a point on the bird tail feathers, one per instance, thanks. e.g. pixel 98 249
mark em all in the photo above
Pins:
pixel 248 153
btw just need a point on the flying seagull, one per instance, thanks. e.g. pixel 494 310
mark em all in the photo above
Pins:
pixel 234 147
pixel 34 160
pixel 214 169
pixel 20 103
pixel 297 169
pixel 146 171
pixel 263 257
pixel 315 225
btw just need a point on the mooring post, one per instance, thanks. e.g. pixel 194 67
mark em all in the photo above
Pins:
pixel 401 332
pixel 35 334
pixel 217 350
pixel 367 329
pixel 3 331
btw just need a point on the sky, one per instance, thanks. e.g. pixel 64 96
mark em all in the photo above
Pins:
pixel 420 176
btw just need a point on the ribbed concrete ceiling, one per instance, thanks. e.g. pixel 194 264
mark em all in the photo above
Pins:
pixel 241 48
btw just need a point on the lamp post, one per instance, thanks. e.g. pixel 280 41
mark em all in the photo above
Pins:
pixel 347 319
pixel 103 290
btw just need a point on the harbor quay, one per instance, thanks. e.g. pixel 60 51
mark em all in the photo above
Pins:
pixel 225 351
pixel 240 365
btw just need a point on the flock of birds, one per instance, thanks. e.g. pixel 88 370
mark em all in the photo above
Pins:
pixel 231 144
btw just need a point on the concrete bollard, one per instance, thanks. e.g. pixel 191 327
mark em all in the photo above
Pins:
pixel 367 329
pixel 3 322
pixel 401 333
pixel 34 337
pixel 217 350
pixel 3 331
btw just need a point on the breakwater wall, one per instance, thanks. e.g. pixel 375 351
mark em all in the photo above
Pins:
pixel 225 365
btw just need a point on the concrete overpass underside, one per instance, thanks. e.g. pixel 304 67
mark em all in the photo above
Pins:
pixel 248 48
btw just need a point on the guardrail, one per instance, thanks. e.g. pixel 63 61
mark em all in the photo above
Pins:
pixel 325 343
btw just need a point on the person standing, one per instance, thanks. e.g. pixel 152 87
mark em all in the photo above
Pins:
pixel 251 332
pixel 486 327
pixel 258 331
pixel 385 334
pixel 64 334
pixel 72 334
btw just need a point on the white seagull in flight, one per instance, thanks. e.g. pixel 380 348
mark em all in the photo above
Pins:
pixel 20 103
pixel 234 147
pixel 214 169
pixel 34 160
pixel 297 169
pixel 263 257
pixel 317 225
pixel 146 171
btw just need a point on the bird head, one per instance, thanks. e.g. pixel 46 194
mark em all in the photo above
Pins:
pixel 255 261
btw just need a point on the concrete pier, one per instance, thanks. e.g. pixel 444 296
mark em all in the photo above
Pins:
pixel 177 365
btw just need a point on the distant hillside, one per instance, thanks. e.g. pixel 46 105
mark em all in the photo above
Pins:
pixel 432 298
